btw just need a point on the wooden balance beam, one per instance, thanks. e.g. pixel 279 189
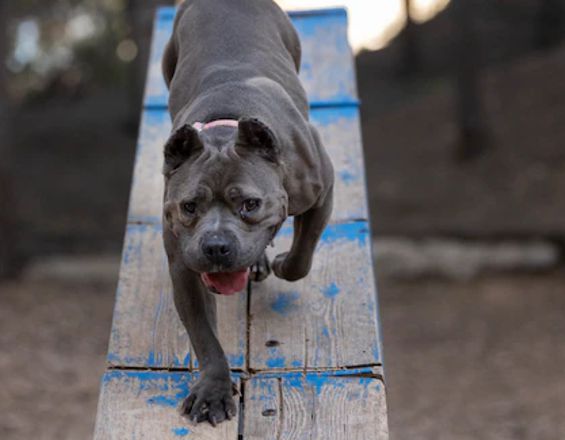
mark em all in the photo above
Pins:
pixel 307 355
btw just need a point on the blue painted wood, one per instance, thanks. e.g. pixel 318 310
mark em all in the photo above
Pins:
pixel 145 204
pixel 327 320
pixel 143 404
pixel 146 331
pixel 348 405
pixel 339 127
pixel 327 70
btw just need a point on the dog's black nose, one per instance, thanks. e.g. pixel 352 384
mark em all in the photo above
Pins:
pixel 218 249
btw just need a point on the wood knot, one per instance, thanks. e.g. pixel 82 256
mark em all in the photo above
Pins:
pixel 269 412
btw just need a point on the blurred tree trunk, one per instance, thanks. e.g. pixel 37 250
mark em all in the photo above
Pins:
pixel 9 257
pixel 473 132
pixel 550 25
pixel 410 61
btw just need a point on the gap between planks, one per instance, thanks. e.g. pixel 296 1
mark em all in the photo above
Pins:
pixel 246 374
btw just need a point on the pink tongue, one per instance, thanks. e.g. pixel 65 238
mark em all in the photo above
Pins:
pixel 226 283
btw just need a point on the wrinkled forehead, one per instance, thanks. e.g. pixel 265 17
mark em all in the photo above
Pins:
pixel 221 174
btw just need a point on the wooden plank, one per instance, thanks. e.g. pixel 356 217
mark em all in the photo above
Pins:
pixel 340 131
pixel 143 405
pixel 156 93
pixel 328 406
pixel 146 197
pixel 147 331
pixel 327 70
pixel 327 320
pixel 311 319
pixel 314 350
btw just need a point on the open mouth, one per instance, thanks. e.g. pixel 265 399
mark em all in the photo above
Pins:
pixel 226 283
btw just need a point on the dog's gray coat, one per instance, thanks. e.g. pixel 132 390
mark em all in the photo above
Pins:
pixel 228 190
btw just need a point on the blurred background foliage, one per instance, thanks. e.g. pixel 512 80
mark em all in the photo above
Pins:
pixel 451 152
pixel 71 83
pixel 67 46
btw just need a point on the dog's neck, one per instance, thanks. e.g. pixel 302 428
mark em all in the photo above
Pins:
pixel 200 126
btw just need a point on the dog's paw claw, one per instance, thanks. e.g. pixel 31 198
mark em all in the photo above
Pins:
pixel 261 270
pixel 210 400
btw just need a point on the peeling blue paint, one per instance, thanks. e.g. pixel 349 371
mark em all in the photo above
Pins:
pixel 112 358
pixel 278 362
pixel 352 231
pixel 376 351
pixel 347 177
pixel 167 13
pixel 181 432
pixel 236 360
pixel 285 302
pixel 315 381
pixel 163 401
pixel 151 360
pixel 332 291
pixel 331 115
pixel 310 25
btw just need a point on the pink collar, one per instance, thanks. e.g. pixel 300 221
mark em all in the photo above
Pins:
pixel 218 123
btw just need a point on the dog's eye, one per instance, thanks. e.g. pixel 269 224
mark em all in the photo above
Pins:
pixel 251 205
pixel 189 207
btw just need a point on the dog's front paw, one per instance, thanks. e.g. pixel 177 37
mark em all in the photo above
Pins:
pixel 262 269
pixel 211 399
pixel 288 270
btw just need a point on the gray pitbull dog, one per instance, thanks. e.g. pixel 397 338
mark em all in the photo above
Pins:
pixel 242 157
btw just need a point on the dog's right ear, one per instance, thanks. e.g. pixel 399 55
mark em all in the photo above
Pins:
pixel 181 145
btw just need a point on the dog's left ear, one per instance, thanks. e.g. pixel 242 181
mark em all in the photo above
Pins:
pixel 255 136
pixel 181 145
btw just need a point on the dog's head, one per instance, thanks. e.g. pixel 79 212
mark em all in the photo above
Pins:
pixel 224 199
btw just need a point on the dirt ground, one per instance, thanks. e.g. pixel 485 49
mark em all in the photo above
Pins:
pixel 477 360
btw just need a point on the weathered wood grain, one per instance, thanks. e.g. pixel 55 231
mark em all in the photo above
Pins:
pixel 327 320
pixel 143 405
pixel 147 331
pixel 329 406
pixel 156 93
pixel 327 70
pixel 339 129
pixel 146 196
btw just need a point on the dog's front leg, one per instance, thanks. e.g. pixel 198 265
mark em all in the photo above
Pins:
pixel 211 397
pixel 308 229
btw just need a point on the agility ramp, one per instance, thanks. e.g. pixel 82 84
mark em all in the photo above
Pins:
pixel 306 356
